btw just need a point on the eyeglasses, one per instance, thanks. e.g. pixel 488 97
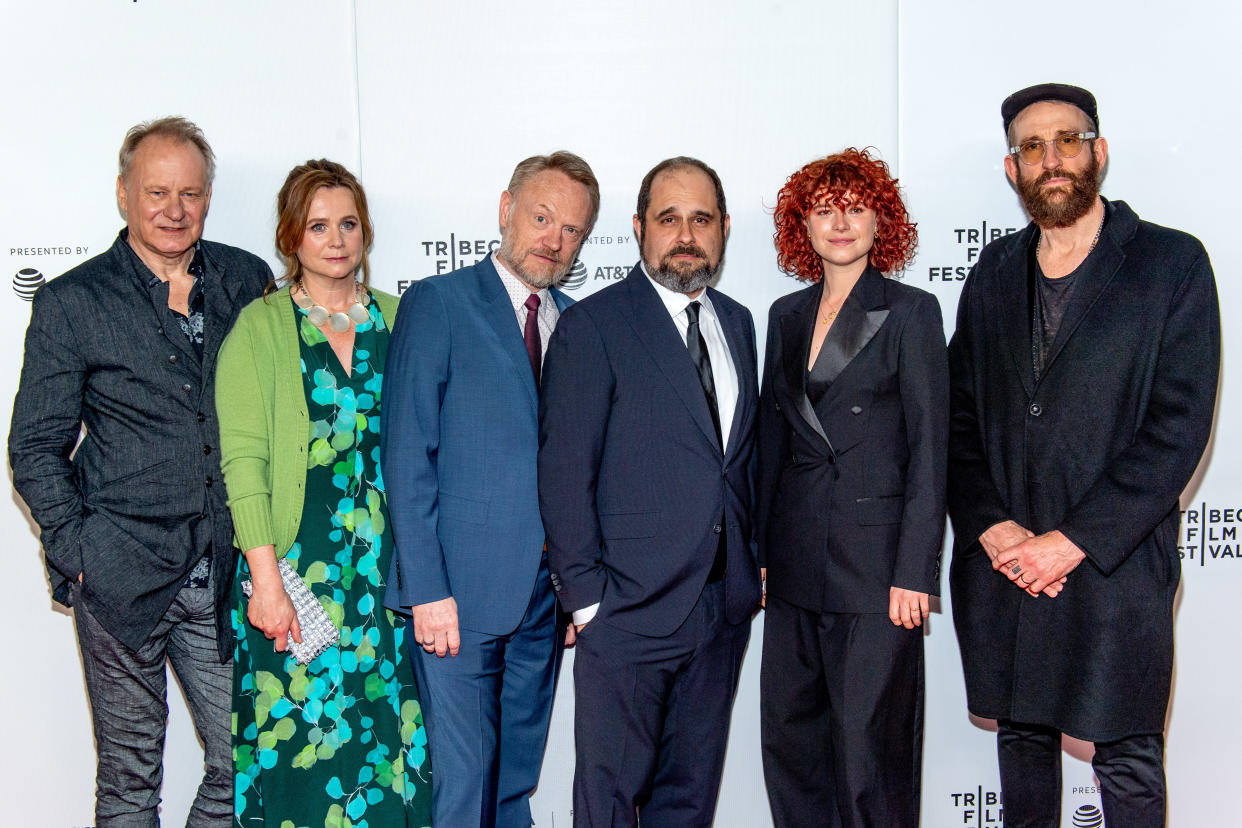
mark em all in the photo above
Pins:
pixel 1066 145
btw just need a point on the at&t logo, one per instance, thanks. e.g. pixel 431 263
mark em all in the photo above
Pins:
pixel 26 281
pixel 1088 816
pixel 576 277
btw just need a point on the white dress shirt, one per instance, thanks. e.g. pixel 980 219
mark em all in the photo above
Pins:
pixel 724 372
pixel 518 293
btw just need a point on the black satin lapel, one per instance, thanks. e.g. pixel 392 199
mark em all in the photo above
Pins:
pixel 796 330
pixel 849 334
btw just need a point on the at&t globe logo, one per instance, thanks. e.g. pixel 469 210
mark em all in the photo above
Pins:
pixel 26 281
pixel 576 277
pixel 1088 816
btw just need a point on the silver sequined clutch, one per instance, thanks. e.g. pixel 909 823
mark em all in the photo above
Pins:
pixel 318 631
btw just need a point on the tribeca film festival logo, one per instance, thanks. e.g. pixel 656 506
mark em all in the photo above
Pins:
pixel 983 809
pixel 979 808
pixel 1210 534
pixel 447 255
pixel 969 242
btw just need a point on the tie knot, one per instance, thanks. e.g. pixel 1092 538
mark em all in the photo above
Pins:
pixel 532 302
pixel 692 311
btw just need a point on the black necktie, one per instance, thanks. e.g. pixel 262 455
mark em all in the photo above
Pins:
pixel 530 334
pixel 702 362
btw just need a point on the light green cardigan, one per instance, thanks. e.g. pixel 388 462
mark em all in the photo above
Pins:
pixel 264 425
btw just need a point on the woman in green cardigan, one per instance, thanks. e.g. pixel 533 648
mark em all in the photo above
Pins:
pixel 298 393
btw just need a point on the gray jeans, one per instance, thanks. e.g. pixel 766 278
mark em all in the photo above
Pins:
pixel 129 712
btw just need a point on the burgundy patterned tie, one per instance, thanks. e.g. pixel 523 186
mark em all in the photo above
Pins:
pixel 530 334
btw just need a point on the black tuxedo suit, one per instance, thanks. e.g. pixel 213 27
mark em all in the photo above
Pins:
pixel 850 503
pixel 635 492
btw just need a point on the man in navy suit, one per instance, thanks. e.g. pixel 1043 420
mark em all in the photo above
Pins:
pixel 459 454
pixel 645 477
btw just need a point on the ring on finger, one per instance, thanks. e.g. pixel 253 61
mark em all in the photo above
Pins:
pixel 1016 569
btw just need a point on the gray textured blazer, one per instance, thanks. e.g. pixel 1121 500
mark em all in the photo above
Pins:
pixel 131 508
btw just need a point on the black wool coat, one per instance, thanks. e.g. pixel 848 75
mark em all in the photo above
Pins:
pixel 1100 448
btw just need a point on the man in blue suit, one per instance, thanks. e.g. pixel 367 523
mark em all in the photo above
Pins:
pixel 645 478
pixel 459 455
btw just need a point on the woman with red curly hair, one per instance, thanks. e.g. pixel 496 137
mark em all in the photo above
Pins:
pixel 853 426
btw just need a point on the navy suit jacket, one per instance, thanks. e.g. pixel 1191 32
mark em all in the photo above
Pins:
pixel 460 441
pixel 633 485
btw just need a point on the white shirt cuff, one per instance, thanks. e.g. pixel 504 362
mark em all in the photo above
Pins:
pixel 585 614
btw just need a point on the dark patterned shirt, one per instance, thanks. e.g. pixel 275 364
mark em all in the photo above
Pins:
pixel 192 327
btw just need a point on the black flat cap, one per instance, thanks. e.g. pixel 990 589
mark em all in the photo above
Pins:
pixel 1062 92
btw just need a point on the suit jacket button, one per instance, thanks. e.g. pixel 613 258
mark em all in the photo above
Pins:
pixel 206 449
pixel 856 409
pixel 716 528
pixel 187 388
pixel 1035 410
pixel 172 359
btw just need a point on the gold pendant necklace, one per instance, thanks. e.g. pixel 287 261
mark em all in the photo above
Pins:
pixel 825 318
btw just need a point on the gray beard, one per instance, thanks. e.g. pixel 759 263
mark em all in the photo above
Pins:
pixel 683 281
pixel 533 280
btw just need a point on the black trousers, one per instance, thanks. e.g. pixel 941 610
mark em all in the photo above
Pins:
pixel 651 718
pixel 1130 771
pixel 841 705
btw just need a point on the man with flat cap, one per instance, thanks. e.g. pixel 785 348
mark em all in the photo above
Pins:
pixel 1083 372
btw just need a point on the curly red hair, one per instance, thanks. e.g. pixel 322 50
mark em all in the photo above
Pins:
pixel 866 181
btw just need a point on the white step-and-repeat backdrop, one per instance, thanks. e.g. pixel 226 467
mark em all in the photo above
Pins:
pixel 433 104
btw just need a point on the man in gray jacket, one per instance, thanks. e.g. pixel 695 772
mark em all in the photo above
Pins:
pixel 134 525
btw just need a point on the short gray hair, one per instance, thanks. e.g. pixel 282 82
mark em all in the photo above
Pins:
pixel 174 128
pixel 571 165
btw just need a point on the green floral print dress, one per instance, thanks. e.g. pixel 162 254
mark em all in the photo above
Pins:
pixel 338 742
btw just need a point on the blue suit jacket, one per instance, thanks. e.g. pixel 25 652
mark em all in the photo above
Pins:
pixel 460 445
pixel 632 481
